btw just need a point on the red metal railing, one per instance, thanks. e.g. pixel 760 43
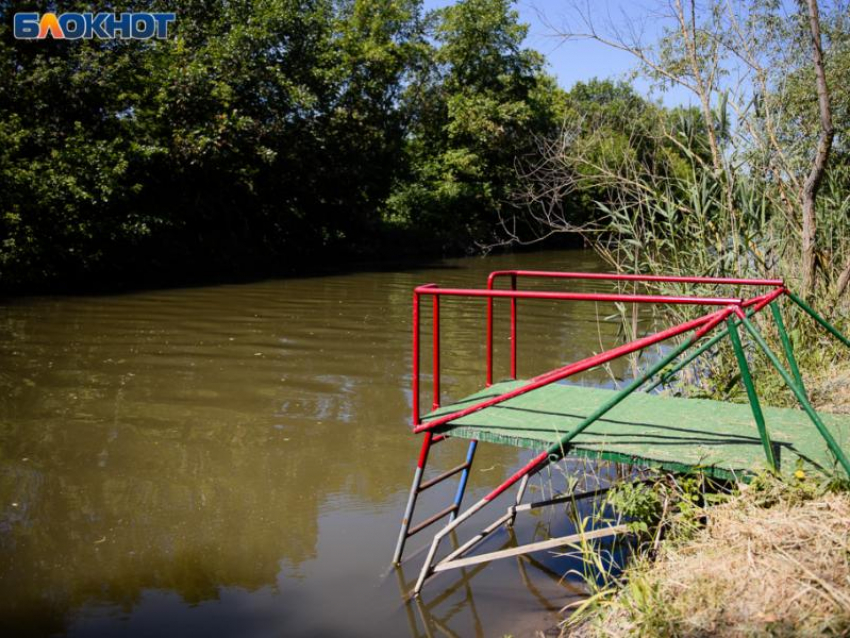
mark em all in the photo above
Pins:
pixel 491 293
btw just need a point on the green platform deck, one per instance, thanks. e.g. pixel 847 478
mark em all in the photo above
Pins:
pixel 673 433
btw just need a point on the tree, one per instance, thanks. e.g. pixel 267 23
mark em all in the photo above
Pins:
pixel 258 134
pixel 475 110
pixel 750 69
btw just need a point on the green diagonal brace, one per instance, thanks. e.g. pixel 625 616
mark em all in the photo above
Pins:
pixel 786 345
pixel 747 378
pixel 558 450
pixel 801 397
pixel 829 327
pixel 696 353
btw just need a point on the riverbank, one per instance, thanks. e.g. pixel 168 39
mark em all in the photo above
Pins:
pixel 773 559
pixel 153 270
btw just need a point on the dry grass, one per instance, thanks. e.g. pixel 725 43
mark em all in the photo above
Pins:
pixel 830 388
pixel 774 561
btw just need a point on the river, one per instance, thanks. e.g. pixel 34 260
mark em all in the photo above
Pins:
pixel 234 460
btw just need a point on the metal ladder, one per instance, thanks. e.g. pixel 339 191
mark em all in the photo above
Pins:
pixel 420 486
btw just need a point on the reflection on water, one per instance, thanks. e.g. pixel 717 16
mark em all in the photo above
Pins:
pixel 234 459
pixel 427 616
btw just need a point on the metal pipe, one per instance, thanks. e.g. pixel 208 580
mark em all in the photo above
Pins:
pixel 760 301
pixel 664 378
pixel 519 494
pixel 711 342
pixel 411 499
pixel 786 345
pixel 464 477
pixel 647 278
pixel 712 324
pixel 532 467
pixel 513 330
pixel 489 380
pixel 484 533
pixel 574 368
pixel 580 296
pixel 801 397
pixel 436 348
pixel 432 519
pixel 521 491
pixel 416 358
pixel 442 477
pixel 823 322
pixel 755 405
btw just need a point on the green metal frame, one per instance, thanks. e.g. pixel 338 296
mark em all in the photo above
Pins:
pixel 793 379
pixel 798 392
pixel 786 345
pixel 752 395
pixel 823 322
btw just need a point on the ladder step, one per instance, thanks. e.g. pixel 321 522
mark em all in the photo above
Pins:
pixel 442 477
pixel 531 547
pixel 433 519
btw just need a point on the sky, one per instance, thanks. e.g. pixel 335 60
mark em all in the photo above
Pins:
pixel 581 60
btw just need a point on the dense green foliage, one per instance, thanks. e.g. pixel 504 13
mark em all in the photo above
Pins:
pixel 260 135
pixel 476 112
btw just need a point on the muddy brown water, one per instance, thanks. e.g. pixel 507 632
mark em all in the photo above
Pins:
pixel 234 460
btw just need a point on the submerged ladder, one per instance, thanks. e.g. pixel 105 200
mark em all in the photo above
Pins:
pixel 420 486
pixel 735 312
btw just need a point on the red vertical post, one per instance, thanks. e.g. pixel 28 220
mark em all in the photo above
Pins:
pixel 416 359
pixel 411 499
pixel 513 329
pixel 489 381
pixel 436 347
pixel 423 451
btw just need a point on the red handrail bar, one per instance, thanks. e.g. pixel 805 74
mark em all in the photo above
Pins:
pixel 735 281
pixel 416 321
pixel 431 289
pixel 762 300
pixel 436 352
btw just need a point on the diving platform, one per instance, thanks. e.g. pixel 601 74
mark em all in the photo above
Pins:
pixel 652 430
pixel 554 417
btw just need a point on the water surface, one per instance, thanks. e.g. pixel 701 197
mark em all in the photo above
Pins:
pixel 234 460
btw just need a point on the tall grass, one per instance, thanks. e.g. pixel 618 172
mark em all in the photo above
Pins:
pixel 699 223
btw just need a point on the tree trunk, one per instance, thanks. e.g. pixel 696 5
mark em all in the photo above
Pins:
pixel 810 187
